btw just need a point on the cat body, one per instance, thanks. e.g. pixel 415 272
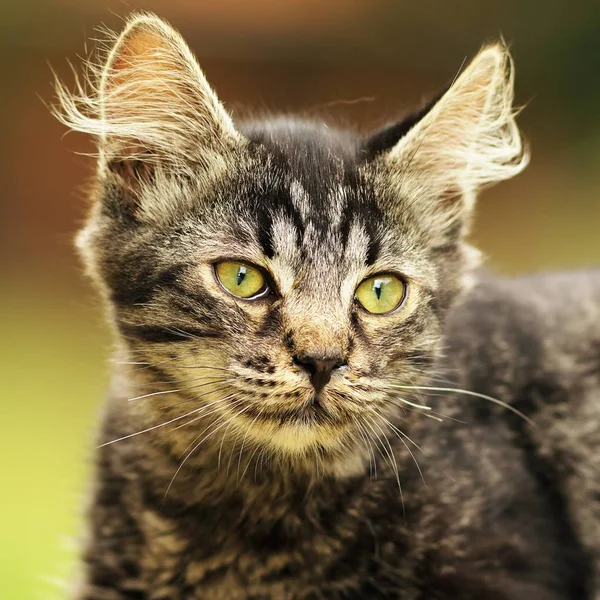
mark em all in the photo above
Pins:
pixel 501 510
pixel 316 392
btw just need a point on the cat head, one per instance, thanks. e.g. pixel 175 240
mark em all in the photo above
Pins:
pixel 283 276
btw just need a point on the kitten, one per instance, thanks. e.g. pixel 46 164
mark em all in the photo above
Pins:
pixel 290 303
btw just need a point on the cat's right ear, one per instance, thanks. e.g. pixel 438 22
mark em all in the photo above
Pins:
pixel 151 108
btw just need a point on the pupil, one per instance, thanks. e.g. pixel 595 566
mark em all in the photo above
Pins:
pixel 377 288
pixel 241 275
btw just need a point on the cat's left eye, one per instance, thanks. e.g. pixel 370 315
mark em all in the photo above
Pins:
pixel 381 294
pixel 241 279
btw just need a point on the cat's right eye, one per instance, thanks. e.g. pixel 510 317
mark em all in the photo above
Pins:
pixel 241 279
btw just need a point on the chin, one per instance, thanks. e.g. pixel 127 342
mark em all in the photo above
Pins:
pixel 306 438
pixel 309 443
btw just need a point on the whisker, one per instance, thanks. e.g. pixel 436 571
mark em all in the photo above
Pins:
pixel 399 432
pixel 127 362
pixel 469 393
pixel 211 424
pixel 153 394
pixel 198 445
pixel 401 435
pixel 178 418
pixel 438 415
pixel 161 362
pixel 393 464
pixel 197 387
pixel 183 381
pixel 193 387
pixel 256 447
pixel 409 403
pixel 235 441
pixel 196 397
pixel 242 448
pixel 144 365
pixel 369 449
pixel 221 446
pixel 147 366
pixel 126 437
pixel 202 415
pixel 430 414
pixel 259 462
pixel 203 367
pixel 195 447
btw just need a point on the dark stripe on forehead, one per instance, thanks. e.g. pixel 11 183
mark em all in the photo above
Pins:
pixel 345 225
pixel 372 248
pixel 269 204
pixel 362 208
pixel 264 221
pixel 269 197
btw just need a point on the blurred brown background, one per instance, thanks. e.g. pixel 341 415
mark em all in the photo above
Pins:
pixel 359 62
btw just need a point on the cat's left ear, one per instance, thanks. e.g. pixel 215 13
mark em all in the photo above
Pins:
pixel 466 139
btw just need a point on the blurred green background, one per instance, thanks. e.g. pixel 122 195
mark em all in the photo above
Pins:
pixel 352 61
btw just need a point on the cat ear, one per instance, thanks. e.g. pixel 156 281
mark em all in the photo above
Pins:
pixel 152 106
pixel 467 139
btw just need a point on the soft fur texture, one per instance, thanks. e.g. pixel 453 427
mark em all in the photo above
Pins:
pixel 453 454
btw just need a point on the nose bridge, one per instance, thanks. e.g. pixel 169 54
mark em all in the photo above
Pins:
pixel 319 328
pixel 321 338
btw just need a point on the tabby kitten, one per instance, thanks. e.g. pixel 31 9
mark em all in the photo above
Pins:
pixel 290 303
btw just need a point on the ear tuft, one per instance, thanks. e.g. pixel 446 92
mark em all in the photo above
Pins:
pixel 468 139
pixel 149 102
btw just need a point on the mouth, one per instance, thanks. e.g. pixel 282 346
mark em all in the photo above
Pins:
pixel 310 413
pixel 316 402
pixel 296 423
pixel 315 411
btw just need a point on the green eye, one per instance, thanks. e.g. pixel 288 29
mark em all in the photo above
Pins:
pixel 240 279
pixel 381 294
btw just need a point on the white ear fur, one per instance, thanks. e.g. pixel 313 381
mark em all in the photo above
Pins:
pixel 468 139
pixel 149 101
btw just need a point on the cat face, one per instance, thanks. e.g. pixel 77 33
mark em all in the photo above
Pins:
pixel 283 277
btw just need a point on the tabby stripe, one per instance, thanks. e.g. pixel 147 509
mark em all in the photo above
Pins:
pixel 198 296
pixel 366 212
pixel 162 335
pixel 278 201
pixel 373 248
pixel 139 288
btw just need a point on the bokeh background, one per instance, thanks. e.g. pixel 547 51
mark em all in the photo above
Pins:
pixel 349 61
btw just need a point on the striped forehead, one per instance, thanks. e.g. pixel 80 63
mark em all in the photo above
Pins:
pixel 310 199
pixel 326 210
pixel 335 226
